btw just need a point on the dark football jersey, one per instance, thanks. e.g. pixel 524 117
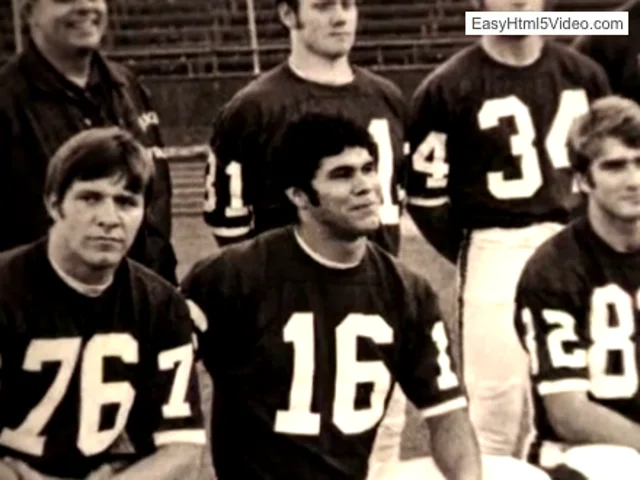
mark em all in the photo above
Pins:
pixel 577 315
pixel 619 55
pixel 304 356
pixel 88 380
pixel 243 195
pixel 490 138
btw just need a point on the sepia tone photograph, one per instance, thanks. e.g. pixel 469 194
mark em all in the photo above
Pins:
pixel 320 239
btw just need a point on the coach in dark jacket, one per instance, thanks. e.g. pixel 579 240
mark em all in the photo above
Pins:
pixel 59 85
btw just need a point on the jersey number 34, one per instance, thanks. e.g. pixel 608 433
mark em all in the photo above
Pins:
pixel 522 145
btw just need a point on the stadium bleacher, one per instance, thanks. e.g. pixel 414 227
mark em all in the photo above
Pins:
pixel 182 42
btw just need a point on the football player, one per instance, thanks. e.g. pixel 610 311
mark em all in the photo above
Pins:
pixel 97 356
pixel 578 310
pixel 490 180
pixel 242 195
pixel 319 323
pixel 618 54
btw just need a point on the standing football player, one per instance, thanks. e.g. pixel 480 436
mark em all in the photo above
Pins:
pixel 97 356
pixel 490 180
pixel 618 54
pixel 242 195
pixel 305 329
pixel 58 86
pixel 243 198
pixel 578 307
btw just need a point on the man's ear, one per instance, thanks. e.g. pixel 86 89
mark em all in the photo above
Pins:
pixel 298 198
pixel 53 206
pixel 583 182
pixel 288 16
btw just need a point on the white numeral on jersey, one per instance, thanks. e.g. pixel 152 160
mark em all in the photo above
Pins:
pixel 95 392
pixel 608 338
pixel 572 103
pixel 556 339
pixel 299 419
pixel 436 169
pixel 26 438
pixel 447 378
pixel 349 373
pixel 521 146
pixel 236 206
pixel 209 182
pixel 380 131
pixel 530 341
pixel 177 406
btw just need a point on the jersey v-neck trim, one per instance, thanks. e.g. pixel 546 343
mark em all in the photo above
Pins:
pixel 80 287
pixel 321 259
pixel 300 75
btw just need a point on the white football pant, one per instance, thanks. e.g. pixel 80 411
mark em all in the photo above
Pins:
pixel 495 366
pixel 386 447
pixel 595 462
pixel 493 468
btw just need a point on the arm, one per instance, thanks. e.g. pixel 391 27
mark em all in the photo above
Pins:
pixel 428 377
pixel 454 446
pixel 578 420
pixel 167 463
pixel 229 176
pixel 429 171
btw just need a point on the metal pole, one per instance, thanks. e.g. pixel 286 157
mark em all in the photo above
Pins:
pixel 17 25
pixel 253 36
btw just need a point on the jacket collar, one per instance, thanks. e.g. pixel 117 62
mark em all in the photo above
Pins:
pixel 41 73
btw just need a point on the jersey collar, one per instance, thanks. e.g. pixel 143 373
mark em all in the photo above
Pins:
pixel 321 259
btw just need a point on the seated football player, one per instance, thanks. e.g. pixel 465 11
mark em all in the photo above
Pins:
pixel 578 305
pixel 97 374
pixel 307 328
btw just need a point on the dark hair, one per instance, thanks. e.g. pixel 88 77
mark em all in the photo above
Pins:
pixel 611 116
pixel 293 4
pixel 312 138
pixel 100 153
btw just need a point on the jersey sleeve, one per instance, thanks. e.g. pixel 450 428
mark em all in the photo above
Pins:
pixel 175 387
pixel 426 371
pixel 608 52
pixel 545 321
pixel 229 175
pixel 427 173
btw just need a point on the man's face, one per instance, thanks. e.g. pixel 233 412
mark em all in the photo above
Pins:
pixel 326 28
pixel 98 221
pixel 349 193
pixel 513 5
pixel 69 25
pixel 615 180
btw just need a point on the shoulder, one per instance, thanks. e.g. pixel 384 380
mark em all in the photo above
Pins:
pixel 380 84
pixel 557 264
pixel 259 93
pixel 12 81
pixel 573 62
pixel 451 73
pixel 18 267
pixel 150 288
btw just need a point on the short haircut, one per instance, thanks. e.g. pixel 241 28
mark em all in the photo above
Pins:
pixel 100 153
pixel 293 4
pixel 611 116
pixel 306 142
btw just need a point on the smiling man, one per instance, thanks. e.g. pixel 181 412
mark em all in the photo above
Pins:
pixel 97 374
pixel 307 328
pixel 57 87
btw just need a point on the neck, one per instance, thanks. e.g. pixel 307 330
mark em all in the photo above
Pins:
pixel 320 69
pixel 513 51
pixel 75 67
pixel 327 245
pixel 59 254
pixel 621 235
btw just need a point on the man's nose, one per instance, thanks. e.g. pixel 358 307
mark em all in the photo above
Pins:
pixel 107 213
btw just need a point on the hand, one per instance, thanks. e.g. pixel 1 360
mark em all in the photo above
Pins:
pixel 7 473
